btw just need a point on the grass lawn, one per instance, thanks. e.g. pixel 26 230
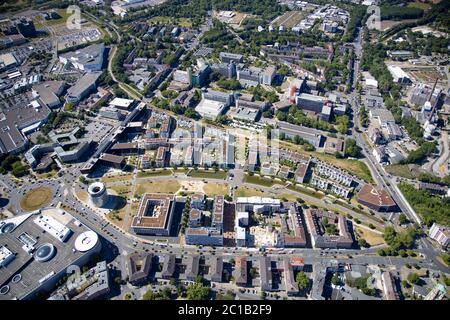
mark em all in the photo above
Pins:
pixel 166 186
pixel 124 191
pixel 214 189
pixel 401 170
pixel 181 22
pixel 355 167
pixel 248 192
pixel 305 191
pixel 82 195
pixel 419 5
pixel 151 173
pixel 208 174
pixel 36 198
pixel 64 16
pixel 372 238
pixel 259 180
pixel 116 178
pixel 288 196
pixel 117 217
pixel 362 212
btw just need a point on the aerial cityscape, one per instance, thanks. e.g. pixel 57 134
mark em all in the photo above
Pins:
pixel 224 150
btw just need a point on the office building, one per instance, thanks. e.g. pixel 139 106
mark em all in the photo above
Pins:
pixel 154 215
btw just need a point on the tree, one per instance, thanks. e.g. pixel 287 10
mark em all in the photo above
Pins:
pixel 413 278
pixel 336 279
pixel 18 169
pixel 149 295
pixel 197 291
pixel 191 113
pixel 402 218
pixel 302 280
pixel 363 243
pixel 446 258
pixel 352 149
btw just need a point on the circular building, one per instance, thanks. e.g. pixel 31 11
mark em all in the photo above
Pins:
pixel 7 227
pixel 98 194
pixel 87 241
pixel 44 252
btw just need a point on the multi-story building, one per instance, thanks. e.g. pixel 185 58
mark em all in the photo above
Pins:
pixel 139 266
pixel 389 290
pixel 192 267
pixel 154 215
pixel 161 157
pixel 198 201
pixel 320 236
pixel 226 57
pixel 257 204
pixel 204 236
pixel 441 234
pixel 82 88
pixel 215 269
pixel 240 271
pixel 376 199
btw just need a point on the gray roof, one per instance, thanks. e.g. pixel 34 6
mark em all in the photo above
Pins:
pixel 139 266
pixel 216 268
pixel 168 266
pixel 92 54
pixel 83 84
pixel 30 269
pixel 192 266
pixel 265 272
pixel 16 118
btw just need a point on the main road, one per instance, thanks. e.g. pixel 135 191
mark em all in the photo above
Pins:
pixel 381 177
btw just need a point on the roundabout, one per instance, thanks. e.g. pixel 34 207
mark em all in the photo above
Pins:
pixel 36 198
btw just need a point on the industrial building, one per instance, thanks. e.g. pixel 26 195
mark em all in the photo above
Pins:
pixel 398 75
pixel 87 59
pixel 82 88
pixel 17 121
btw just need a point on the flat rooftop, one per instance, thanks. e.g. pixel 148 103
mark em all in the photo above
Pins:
pixel 153 211
pixel 17 117
pixel 27 231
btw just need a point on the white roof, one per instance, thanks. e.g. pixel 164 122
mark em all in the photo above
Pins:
pixel 7 59
pixel 397 72
pixel 372 83
pixel 326 110
pixel 53 227
pixel 86 241
pixel 210 108
pixel 240 233
pixel 258 200
pixel 120 102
